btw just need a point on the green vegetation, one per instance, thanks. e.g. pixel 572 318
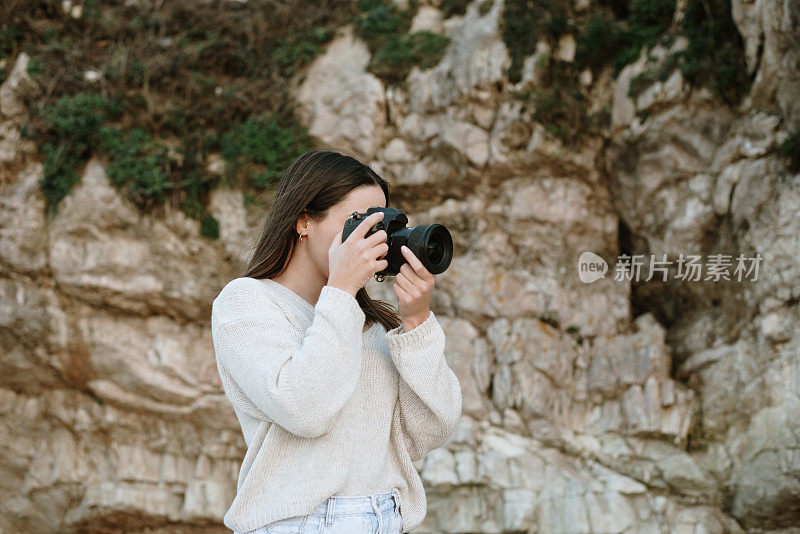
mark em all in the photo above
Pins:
pixel 267 145
pixel 380 21
pixel 8 39
pixel 603 40
pixel 599 40
pixel 614 33
pixel 561 109
pixel 645 79
pixel 177 81
pixel 137 164
pixel 298 49
pixel 209 227
pixel 484 7
pixel 72 131
pixel 394 61
pixel 714 56
pixel 524 22
pixel 451 8
pixel 559 105
pixel 790 149
pixel 76 127
pixel 384 27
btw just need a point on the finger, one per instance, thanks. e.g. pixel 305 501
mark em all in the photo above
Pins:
pixel 364 226
pixel 376 238
pixel 404 282
pixel 412 260
pixel 410 274
pixel 400 292
pixel 382 249
pixel 337 240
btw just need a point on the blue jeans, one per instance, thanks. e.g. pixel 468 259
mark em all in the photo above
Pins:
pixel 378 513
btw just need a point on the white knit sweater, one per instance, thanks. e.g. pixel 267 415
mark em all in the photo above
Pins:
pixel 325 407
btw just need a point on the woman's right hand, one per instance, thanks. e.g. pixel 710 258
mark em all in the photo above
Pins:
pixel 352 263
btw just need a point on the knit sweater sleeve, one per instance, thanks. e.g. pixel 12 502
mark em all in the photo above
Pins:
pixel 300 382
pixel 429 391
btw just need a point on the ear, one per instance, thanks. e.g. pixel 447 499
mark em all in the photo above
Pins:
pixel 302 221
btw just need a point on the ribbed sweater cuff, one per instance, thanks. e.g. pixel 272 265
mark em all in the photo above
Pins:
pixel 343 302
pixel 418 338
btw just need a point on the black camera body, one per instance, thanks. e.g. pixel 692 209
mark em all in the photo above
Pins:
pixel 431 243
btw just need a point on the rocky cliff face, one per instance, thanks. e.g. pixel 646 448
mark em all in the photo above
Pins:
pixel 612 406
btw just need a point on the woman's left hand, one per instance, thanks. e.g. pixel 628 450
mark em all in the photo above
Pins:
pixel 413 286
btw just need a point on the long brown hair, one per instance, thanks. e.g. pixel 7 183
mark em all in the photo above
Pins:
pixel 314 182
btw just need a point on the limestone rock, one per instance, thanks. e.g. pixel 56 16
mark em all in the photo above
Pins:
pixel 769 31
pixel 343 104
pixel 620 405
pixel 103 251
pixel 226 205
pixel 15 88
pixel 428 18
pixel 23 228
pixel 476 56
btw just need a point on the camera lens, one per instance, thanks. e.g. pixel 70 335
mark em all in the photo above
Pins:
pixel 431 243
pixel 435 248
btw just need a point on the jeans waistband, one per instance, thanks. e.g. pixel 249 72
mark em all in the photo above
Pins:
pixel 353 504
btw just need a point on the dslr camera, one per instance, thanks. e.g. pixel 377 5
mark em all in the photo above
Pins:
pixel 431 243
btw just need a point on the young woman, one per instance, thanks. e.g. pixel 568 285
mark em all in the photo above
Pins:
pixel 337 395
